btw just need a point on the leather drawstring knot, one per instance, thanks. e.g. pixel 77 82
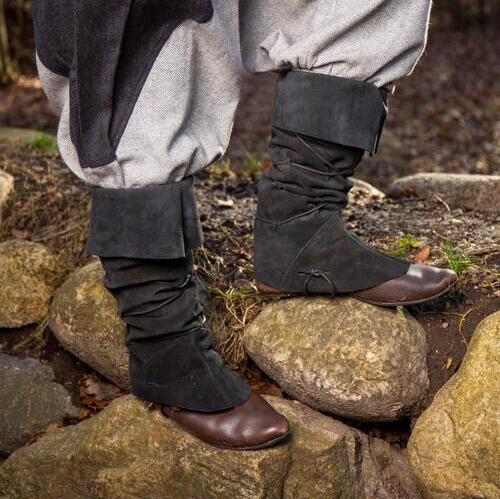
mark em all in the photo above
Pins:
pixel 317 273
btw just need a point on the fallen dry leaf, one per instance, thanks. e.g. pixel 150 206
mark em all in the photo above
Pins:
pixel 423 255
pixel 266 165
pixel 96 394
pixel 100 390
pixel 84 413
pixel 225 203
pixel 20 234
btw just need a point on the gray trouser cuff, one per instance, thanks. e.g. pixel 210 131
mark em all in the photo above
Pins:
pixel 340 110
pixel 152 222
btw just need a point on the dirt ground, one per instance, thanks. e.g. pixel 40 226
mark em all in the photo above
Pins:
pixel 443 118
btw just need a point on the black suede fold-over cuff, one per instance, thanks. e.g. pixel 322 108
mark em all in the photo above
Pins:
pixel 152 222
pixel 339 110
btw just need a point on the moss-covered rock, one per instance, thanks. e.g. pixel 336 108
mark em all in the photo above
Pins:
pixel 29 273
pixel 128 451
pixel 454 449
pixel 84 319
pixel 26 137
pixel 342 356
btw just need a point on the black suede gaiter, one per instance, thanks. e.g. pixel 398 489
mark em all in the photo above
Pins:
pixel 322 127
pixel 171 357
pixel 145 238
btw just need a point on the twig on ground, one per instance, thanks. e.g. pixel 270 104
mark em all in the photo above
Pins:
pixel 443 202
pixel 34 340
pixel 55 234
pixel 461 322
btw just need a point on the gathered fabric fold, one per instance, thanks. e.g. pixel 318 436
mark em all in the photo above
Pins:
pixel 172 361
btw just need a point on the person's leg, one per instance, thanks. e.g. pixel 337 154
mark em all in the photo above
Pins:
pixel 147 91
pixel 338 61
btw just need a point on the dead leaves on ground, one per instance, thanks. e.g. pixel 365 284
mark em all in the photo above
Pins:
pixel 96 394
pixel 423 255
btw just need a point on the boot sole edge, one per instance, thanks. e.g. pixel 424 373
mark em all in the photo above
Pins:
pixel 269 290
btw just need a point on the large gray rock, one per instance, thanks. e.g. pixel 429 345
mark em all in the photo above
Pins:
pixel 30 400
pixel 6 188
pixel 29 274
pixel 342 356
pixel 473 192
pixel 84 319
pixel 454 449
pixel 128 451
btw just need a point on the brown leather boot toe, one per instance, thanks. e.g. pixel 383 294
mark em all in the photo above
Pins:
pixel 248 426
pixel 420 284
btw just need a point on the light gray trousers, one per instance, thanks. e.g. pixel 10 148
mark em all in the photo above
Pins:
pixel 183 116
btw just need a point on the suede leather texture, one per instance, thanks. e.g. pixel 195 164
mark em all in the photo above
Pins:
pixel 337 110
pixel 172 361
pixel 300 243
pixel 157 221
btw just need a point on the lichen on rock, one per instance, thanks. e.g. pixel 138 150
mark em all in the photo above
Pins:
pixel 29 273
pixel 130 451
pixel 342 356
pixel 85 321
pixel 454 449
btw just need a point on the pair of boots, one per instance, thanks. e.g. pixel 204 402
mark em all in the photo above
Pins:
pixel 322 126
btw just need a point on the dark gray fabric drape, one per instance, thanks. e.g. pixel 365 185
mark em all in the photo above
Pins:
pixel 106 49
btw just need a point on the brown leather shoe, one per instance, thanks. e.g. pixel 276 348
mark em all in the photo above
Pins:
pixel 248 426
pixel 420 284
